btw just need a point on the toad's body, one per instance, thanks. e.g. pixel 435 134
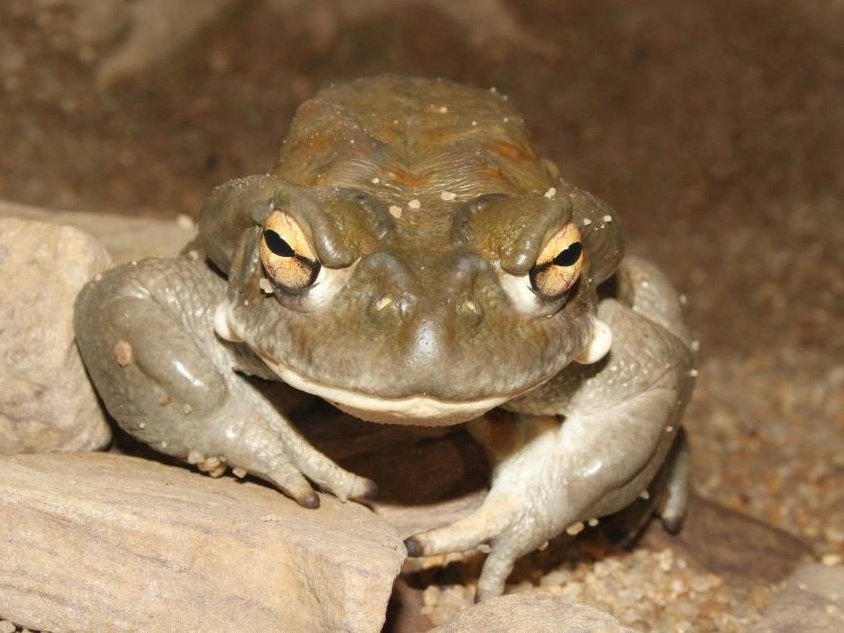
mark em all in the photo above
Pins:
pixel 413 261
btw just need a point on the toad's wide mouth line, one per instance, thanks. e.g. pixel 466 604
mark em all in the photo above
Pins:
pixel 418 409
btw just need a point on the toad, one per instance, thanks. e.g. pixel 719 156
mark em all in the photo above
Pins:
pixel 411 260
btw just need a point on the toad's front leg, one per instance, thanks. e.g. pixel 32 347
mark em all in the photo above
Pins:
pixel 619 419
pixel 145 332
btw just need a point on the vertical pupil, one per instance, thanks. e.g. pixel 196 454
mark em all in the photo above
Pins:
pixel 277 244
pixel 569 256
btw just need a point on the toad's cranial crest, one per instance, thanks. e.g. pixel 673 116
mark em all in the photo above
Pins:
pixel 412 260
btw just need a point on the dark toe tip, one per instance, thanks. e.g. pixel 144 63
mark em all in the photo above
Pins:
pixel 672 525
pixel 310 500
pixel 413 546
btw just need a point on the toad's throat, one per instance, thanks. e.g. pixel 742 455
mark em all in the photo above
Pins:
pixel 417 409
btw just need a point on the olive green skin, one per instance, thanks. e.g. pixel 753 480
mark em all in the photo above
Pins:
pixel 426 207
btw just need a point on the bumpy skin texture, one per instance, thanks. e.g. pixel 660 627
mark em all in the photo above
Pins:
pixel 426 211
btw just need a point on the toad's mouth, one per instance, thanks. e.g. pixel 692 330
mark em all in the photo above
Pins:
pixel 417 409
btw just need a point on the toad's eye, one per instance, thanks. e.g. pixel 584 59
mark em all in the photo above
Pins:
pixel 558 265
pixel 287 254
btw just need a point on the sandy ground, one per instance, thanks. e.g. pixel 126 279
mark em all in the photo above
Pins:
pixel 715 129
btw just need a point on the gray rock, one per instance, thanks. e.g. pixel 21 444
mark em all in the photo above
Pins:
pixel 532 613
pixel 811 601
pixel 126 238
pixel 46 401
pixel 99 542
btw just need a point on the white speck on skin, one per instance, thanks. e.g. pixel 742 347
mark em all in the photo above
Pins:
pixel 448 196
pixel 265 286
pixel 575 528
pixel 552 191
pixel 395 211
pixel 383 302
pixel 607 218
pixel 586 222
pixel 414 204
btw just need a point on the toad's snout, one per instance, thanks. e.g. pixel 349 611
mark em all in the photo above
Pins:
pixel 428 306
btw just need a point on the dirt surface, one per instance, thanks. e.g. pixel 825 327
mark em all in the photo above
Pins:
pixel 715 129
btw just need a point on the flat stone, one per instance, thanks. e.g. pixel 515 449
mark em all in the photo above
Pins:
pixel 126 238
pixel 532 613
pixel 727 543
pixel 812 599
pixel 96 541
pixel 46 400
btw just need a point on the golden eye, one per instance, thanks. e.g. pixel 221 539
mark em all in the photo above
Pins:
pixel 287 254
pixel 558 265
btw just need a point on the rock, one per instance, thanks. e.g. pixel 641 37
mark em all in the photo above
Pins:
pixel 136 35
pixel 126 238
pixel 46 401
pixel 532 613
pixel 727 543
pixel 812 599
pixel 105 542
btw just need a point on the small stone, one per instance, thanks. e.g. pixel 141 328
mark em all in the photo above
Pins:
pixel 810 600
pixel 185 222
pixel 414 204
pixel 395 211
pixel 46 401
pixel 448 196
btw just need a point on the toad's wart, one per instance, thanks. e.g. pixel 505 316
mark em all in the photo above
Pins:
pixel 413 261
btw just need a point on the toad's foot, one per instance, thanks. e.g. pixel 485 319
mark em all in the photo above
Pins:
pixel 512 519
pixel 266 445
